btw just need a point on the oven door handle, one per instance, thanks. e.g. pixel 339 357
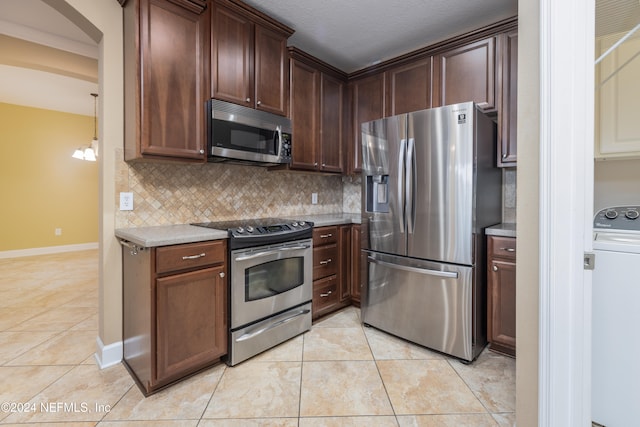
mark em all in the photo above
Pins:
pixel 265 328
pixel 273 252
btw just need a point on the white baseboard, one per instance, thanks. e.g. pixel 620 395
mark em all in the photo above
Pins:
pixel 48 250
pixel 108 355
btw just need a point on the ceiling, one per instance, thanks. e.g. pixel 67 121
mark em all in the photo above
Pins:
pixel 347 34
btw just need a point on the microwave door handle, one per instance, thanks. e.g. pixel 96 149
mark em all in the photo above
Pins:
pixel 277 138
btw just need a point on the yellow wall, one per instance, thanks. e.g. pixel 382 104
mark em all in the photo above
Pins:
pixel 41 185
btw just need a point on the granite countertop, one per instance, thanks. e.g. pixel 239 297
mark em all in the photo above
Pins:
pixel 162 235
pixel 506 229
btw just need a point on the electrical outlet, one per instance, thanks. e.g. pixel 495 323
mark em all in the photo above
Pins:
pixel 126 201
pixel 314 198
pixel 58 231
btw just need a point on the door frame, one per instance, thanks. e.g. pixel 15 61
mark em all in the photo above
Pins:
pixel 567 48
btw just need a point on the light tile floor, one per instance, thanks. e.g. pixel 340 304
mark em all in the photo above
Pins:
pixel 338 374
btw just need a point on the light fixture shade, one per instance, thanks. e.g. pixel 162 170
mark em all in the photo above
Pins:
pixel 89 154
pixel 78 154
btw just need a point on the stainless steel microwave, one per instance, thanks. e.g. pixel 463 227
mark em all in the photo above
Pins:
pixel 239 134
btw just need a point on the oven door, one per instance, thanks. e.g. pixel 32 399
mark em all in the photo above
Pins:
pixel 269 279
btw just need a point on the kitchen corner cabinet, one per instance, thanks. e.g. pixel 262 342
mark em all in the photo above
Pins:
pixel 249 58
pixel 166 64
pixel 317 114
pixel 329 293
pixel 617 132
pixel 508 100
pixel 501 294
pixel 466 73
pixel 174 312
pixel 368 103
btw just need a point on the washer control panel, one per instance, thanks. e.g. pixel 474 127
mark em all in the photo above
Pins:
pixel 623 218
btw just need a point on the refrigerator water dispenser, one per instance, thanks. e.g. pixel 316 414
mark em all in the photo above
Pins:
pixel 377 193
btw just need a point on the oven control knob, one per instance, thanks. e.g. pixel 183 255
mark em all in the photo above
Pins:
pixel 294 224
pixel 302 223
pixel 611 214
pixel 631 214
pixel 240 230
pixel 250 229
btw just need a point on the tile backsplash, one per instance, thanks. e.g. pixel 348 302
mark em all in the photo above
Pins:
pixel 178 193
pixel 168 193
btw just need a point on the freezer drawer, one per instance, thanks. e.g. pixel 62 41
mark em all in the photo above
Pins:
pixel 425 302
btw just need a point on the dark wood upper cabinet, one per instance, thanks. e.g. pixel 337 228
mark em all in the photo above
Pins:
pixel 368 101
pixel 317 114
pixel 166 62
pixel 508 100
pixel 466 73
pixel 249 57
pixel 409 87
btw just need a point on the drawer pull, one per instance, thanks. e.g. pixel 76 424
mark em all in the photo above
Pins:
pixel 508 249
pixel 222 274
pixel 325 262
pixel 325 294
pixel 495 268
pixel 184 258
pixel 326 236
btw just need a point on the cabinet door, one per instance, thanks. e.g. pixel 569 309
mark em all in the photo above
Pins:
pixel 617 93
pixel 174 56
pixel 271 71
pixel 508 108
pixel 304 116
pixel 467 73
pixel 191 322
pixel 232 56
pixel 409 87
pixel 368 104
pixel 331 123
pixel 502 306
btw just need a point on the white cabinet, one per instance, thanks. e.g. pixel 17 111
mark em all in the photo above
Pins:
pixel 617 132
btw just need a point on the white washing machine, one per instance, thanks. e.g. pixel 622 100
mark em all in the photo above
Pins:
pixel 615 395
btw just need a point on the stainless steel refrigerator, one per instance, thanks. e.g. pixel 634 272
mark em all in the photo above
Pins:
pixel 430 188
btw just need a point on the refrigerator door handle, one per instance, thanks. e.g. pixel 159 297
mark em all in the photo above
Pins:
pixel 447 274
pixel 401 183
pixel 411 186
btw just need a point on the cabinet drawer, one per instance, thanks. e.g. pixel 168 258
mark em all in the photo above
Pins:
pixel 182 257
pixel 502 247
pixel 325 294
pixel 325 261
pixel 325 235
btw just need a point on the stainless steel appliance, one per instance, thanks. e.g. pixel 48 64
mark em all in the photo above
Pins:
pixel 243 135
pixel 430 188
pixel 270 283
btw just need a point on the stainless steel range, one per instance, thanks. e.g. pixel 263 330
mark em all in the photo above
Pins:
pixel 270 283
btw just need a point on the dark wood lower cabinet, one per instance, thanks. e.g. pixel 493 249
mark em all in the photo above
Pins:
pixel 174 311
pixel 501 298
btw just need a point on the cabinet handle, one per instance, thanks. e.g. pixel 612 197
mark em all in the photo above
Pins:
pixel 248 99
pixel 508 249
pixel 201 151
pixel 315 164
pixel 259 102
pixel 325 236
pixel 325 262
pixel 222 274
pixel 325 295
pixel 495 268
pixel 184 258
pixel 324 164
